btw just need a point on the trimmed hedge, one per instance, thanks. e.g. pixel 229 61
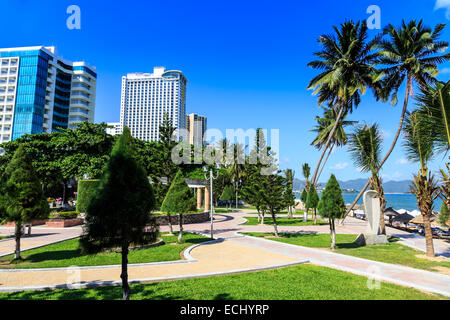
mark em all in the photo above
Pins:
pixel 86 190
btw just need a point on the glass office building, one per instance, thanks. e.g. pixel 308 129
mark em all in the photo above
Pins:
pixel 41 92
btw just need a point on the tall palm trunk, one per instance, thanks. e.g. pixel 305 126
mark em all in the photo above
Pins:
pixel 18 234
pixel 326 159
pixel 428 235
pixel 399 129
pixel 124 274
pixel 327 144
pixel 377 186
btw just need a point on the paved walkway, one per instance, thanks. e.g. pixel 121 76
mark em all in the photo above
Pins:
pixel 236 253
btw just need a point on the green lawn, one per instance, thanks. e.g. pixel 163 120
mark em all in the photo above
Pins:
pixel 393 252
pixel 67 253
pixel 302 282
pixel 253 221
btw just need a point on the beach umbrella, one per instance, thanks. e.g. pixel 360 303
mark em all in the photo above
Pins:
pixel 404 218
pixel 419 219
pixel 391 213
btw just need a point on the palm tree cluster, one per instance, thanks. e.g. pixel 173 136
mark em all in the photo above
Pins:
pixel 405 56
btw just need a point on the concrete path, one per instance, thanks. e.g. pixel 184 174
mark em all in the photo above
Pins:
pixel 236 253
pixel 40 236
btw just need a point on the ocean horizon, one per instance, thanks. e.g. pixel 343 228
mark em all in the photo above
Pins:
pixel 397 201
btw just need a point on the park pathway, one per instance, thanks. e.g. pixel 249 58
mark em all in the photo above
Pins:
pixel 233 253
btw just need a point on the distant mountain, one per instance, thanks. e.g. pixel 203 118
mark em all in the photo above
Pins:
pixel 358 184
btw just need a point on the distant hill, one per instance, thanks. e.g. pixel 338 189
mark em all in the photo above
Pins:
pixel 358 184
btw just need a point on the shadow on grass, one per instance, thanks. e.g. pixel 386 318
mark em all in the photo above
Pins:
pixel 52 255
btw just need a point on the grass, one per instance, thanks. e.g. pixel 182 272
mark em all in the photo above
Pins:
pixel 302 282
pixel 67 253
pixel 393 252
pixel 253 221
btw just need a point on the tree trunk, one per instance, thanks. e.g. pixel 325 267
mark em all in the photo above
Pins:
pixel 399 129
pixel 315 216
pixel 326 159
pixel 262 218
pixel 428 235
pixel 333 234
pixel 338 118
pixel 18 234
pixel 378 187
pixel 169 218
pixel 124 274
pixel 180 234
pixel 29 229
pixel 259 215
pixel 274 219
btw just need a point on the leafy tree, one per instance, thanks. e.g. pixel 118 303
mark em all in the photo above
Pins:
pixel 272 188
pixel 444 215
pixel 23 200
pixel 119 213
pixel 419 145
pixel 252 191
pixel 179 199
pixel 227 195
pixel 347 68
pixel 312 201
pixel 365 149
pixel 167 143
pixel 410 55
pixel 288 193
pixel 332 206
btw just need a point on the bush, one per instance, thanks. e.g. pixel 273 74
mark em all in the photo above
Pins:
pixel 86 191
pixel 68 214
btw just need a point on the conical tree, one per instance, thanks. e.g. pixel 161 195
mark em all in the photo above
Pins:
pixel 332 206
pixel 119 213
pixel 23 198
pixel 179 200
pixel 288 193
pixel 227 195
pixel 312 201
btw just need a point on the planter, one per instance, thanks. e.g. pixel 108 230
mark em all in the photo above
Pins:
pixel 63 223
pixel 34 223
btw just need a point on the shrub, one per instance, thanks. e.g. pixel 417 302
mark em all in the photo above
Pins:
pixel 86 191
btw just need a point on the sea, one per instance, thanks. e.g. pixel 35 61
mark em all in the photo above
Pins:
pixel 397 201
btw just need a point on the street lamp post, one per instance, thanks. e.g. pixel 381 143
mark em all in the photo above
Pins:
pixel 211 178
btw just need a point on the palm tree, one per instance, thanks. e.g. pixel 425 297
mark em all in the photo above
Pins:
pixel 237 167
pixel 323 128
pixel 365 149
pixel 419 144
pixel 410 57
pixel 306 170
pixel 347 70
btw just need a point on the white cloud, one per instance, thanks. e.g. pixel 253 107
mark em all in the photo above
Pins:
pixel 339 166
pixel 443 4
pixel 402 161
pixel 395 176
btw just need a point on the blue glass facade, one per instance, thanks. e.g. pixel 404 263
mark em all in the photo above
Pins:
pixel 31 88
pixel 62 100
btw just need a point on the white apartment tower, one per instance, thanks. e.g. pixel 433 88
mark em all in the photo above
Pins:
pixel 196 125
pixel 145 99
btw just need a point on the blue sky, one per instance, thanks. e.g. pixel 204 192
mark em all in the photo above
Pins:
pixel 245 60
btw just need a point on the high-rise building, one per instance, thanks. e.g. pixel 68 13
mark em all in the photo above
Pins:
pixel 196 125
pixel 146 97
pixel 42 92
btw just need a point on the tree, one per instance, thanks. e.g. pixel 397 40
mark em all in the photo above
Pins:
pixel 419 145
pixel 409 56
pixel 306 172
pixel 332 206
pixel 119 213
pixel 444 215
pixel 227 195
pixel 288 193
pixel 23 200
pixel 312 201
pixel 272 187
pixel 252 192
pixel 365 149
pixel 179 199
pixel 346 63
pixel 323 128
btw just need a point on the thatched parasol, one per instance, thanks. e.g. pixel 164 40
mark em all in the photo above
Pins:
pixel 391 213
pixel 419 219
pixel 404 218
